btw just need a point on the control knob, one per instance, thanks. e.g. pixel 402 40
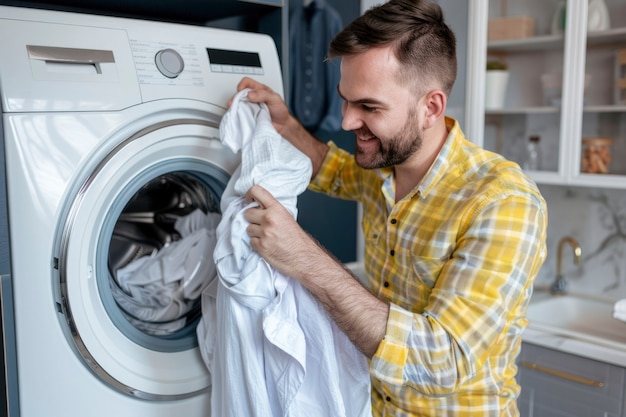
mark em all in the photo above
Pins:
pixel 169 62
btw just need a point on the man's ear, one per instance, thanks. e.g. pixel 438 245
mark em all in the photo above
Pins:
pixel 434 107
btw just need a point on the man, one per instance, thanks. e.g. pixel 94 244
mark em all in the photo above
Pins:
pixel 454 235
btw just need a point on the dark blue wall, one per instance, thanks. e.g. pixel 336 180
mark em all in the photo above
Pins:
pixel 331 221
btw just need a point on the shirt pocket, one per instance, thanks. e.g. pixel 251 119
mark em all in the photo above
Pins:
pixel 427 270
pixel 373 232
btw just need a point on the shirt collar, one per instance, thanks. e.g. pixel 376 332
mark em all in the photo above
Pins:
pixel 441 166
pixel 438 169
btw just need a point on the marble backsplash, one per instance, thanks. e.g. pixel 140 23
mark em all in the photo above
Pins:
pixel 596 218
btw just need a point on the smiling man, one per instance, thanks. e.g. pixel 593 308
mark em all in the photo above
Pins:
pixel 454 234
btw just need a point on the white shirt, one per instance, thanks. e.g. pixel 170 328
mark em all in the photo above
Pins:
pixel 271 348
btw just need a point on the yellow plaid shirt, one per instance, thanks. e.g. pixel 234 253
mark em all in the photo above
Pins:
pixel 456 258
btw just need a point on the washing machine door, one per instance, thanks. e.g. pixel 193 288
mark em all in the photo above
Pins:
pixel 133 215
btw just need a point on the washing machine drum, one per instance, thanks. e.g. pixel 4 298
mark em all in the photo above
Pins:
pixel 160 253
pixel 135 255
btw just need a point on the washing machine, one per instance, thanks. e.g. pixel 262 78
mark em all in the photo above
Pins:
pixel 110 134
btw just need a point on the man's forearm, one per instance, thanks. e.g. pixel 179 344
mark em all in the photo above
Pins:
pixel 316 150
pixel 361 315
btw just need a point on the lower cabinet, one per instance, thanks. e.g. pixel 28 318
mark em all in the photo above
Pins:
pixel 557 384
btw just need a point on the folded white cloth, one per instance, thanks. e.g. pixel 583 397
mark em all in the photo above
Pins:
pixel 619 310
pixel 271 348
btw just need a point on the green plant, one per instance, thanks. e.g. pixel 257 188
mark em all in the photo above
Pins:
pixel 496 65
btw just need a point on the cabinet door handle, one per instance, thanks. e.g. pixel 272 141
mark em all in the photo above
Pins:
pixel 563 375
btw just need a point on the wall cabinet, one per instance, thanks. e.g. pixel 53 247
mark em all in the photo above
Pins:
pixel 557 384
pixel 581 99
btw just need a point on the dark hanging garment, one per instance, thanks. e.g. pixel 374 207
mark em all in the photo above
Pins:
pixel 314 99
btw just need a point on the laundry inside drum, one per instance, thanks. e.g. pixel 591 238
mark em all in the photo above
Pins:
pixel 160 256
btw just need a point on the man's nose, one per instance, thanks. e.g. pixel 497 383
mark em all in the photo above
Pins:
pixel 351 119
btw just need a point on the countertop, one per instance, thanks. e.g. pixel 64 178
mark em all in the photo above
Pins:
pixel 537 335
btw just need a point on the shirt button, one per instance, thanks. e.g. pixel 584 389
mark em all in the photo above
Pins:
pixel 386 284
pixel 392 252
pixel 394 221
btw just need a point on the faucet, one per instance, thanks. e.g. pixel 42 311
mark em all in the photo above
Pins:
pixel 560 285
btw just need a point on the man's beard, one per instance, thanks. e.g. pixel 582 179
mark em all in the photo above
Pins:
pixel 393 151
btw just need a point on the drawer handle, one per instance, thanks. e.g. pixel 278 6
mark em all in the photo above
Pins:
pixel 563 375
pixel 70 55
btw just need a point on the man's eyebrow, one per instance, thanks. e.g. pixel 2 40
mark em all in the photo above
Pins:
pixel 364 100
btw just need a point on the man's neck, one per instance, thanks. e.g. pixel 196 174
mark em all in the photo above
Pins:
pixel 410 174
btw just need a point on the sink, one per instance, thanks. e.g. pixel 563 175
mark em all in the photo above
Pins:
pixel 578 317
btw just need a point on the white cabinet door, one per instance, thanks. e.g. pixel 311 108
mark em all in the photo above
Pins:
pixel 604 107
pixel 561 87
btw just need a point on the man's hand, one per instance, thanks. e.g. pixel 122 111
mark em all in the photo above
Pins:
pixel 284 122
pixel 275 234
pixel 280 240
pixel 261 93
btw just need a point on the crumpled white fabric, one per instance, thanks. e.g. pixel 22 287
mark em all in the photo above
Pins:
pixel 271 348
pixel 157 291
pixel 619 310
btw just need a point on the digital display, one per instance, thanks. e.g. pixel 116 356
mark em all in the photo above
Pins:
pixel 238 58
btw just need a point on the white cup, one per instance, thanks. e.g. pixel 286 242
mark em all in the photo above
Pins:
pixel 496 82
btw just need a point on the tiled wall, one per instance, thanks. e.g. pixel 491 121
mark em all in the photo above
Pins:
pixel 596 218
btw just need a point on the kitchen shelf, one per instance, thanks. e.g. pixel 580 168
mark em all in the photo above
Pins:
pixel 522 110
pixel 601 180
pixel 547 42
pixel 605 109
pixel 544 177
pixel 607 37
pixel 583 111
pixel 535 43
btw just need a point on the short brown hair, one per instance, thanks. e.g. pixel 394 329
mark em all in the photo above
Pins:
pixel 422 42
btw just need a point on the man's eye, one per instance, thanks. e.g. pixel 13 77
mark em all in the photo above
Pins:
pixel 368 108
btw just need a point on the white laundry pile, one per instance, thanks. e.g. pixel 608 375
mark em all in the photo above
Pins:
pixel 271 348
pixel 157 291
pixel 619 310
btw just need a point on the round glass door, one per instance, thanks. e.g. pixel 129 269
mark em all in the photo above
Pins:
pixel 135 255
